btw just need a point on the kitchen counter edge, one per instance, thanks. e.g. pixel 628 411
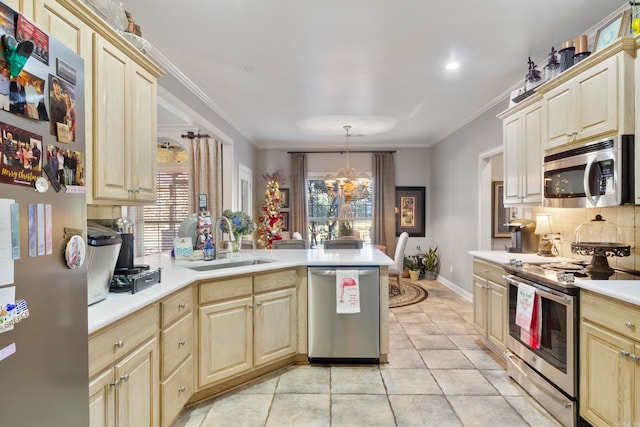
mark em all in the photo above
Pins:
pixel 176 275
pixel 623 290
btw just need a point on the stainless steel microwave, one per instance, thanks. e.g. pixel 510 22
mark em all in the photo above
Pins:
pixel 597 174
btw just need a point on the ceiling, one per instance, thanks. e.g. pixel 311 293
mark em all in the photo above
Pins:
pixel 271 67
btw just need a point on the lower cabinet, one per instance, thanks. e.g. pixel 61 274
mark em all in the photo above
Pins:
pixel 123 370
pixel 126 394
pixel 490 303
pixel 256 319
pixel 609 361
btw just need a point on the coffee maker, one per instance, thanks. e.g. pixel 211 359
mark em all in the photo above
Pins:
pixel 523 239
pixel 125 265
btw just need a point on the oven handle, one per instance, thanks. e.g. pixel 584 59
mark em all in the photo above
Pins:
pixel 564 403
pixel 558 297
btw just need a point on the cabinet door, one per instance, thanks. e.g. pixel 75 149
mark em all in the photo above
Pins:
pixel 559 116
pixel 226 339
pixel 480 304
pixel 143 135
pixel 531 191
pixel 497 314
pixel 111 160
pixel 512 140
pixel 606 376
pixel 101 400
pixel 137 396
pixel 636 391
pixel 597 99
pixel 275 323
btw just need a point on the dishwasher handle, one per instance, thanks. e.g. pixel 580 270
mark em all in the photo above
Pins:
pixel 332 272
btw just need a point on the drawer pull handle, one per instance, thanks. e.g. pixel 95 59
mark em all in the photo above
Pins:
pixel 181 389
pixel 250 306
pixel 182 305
pixel 629 325
pixel 258 304
pixel 114 383
pixel 181 342
pixel 634 358
pixel 119 344
pixel 486 270
pixel 125 377
pixel 624 353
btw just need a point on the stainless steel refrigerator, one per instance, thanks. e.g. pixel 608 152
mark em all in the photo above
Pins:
pixel 43 359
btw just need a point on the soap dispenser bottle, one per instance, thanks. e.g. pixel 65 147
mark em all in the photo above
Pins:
pixel 208 250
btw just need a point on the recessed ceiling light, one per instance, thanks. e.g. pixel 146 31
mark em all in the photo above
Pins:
pixel 453 65
pixel 366 125
pixel 248 68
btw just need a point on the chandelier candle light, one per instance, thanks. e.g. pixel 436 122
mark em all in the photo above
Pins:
pixel 347 179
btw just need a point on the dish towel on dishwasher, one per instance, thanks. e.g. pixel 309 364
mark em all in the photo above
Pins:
pixel 347 291
pixel 529 315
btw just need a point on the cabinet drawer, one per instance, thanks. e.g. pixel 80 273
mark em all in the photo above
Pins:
pixel 225 288
pixel 612 314
pixel 175 391
pixel 108 346
pixel 277 280
pixel 488 271
pixel 176 344
pixel 175 306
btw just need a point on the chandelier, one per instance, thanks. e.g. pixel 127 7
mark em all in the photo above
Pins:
pixel 347 183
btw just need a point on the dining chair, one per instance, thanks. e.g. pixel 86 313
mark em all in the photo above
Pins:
pixel 395 270
pixel 343 244
pixel 290 244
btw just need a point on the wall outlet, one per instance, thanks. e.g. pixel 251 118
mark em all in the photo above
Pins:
pixel 450 268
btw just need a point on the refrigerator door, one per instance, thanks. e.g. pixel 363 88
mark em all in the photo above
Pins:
pixel 337 337
pixel 43 360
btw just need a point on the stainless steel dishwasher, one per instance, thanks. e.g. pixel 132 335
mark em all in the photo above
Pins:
pixel 336 337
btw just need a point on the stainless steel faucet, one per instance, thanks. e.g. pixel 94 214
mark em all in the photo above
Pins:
pixel 217 232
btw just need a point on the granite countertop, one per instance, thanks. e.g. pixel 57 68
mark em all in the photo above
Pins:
pixel 623 290
pixel 175 275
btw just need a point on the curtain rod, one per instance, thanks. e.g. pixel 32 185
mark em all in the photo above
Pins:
pixel 341 151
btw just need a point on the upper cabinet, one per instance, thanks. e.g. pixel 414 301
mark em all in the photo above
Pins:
pixel 121 115
pixel 592 99
pixel 522 138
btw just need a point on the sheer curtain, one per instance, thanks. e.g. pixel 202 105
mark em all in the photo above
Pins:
pixel 205 173
pixel 384 201
pixel 298 196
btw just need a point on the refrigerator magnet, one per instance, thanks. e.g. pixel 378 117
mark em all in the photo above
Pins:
pixel 74 252
pixel 41 185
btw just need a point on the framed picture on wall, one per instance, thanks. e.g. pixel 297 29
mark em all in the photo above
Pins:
pixel 410 211
pixel 285 221
pixel 501 215
pixel 284 198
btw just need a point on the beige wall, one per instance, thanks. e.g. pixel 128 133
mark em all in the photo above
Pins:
pixel 625 217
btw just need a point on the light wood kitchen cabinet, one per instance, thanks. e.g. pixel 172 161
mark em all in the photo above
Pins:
pixel 120 103
pixel 256 318
pixel 594 100
pixel 490 304
pixel 125 127
pixel 123 369
pixel 176 354
pixel 609 361
pixel 522 141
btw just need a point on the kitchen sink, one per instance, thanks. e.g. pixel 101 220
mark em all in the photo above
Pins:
pixel 232 264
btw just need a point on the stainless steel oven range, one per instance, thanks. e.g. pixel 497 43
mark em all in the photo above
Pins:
pixel 550 372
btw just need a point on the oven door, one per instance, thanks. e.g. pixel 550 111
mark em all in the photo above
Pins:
pixel 556 357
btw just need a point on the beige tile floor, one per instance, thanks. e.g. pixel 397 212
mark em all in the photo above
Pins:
pixel 439 374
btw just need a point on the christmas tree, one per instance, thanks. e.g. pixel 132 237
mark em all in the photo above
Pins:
pixel 270 220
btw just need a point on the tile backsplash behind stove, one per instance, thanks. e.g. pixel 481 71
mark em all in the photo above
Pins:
pixel 625 217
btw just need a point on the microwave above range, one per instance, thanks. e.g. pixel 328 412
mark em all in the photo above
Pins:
pixel 598 174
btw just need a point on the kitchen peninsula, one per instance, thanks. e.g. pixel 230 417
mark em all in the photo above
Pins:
pixel 207 327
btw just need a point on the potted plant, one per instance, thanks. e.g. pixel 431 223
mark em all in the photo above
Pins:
pixel 431 263
pixel 413 267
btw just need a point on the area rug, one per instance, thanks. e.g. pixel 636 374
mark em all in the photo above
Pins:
pixel 408 293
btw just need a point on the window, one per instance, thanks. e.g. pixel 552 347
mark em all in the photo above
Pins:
pixel 159 223
pixel 323 210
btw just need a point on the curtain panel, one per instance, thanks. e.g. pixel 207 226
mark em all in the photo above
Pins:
pixel 205 169
pixel 384 200
pixel 298 197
